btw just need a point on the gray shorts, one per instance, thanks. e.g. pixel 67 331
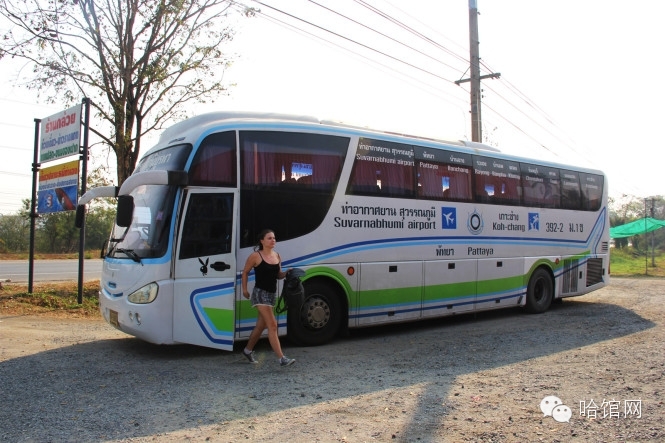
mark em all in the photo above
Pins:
pixel 262 297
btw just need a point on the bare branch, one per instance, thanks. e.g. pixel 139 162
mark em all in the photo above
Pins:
pixel 141 62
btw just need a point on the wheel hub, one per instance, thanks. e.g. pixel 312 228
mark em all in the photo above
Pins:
pixel 317 313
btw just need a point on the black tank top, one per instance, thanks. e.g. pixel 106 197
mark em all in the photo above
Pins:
pixel 266 276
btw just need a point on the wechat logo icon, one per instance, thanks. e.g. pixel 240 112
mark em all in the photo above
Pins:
pixel 553 406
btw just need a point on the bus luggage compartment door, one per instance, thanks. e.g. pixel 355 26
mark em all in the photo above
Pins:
pixel 500 283
pixel 450 287
pixel 205 268
pixel 390 292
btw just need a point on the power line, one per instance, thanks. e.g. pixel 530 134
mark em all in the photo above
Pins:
pixel 410 29
pixel 355 42
pixel 390 70
pixel 383 35
pixel 17 174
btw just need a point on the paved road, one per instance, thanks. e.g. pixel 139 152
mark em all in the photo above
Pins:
pixel 49 270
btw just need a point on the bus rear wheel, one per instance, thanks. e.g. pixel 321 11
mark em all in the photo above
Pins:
pixel 318 319
pixel 539 292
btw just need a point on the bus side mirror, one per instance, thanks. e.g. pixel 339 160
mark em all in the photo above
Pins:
pixel 123 217
pixel 80 216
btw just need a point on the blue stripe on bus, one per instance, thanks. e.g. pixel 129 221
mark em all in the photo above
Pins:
pixel 595 236
pixel 385 310
pixel 193 300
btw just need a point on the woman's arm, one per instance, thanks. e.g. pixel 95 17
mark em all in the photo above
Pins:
pixel 249 265
pixel 280 274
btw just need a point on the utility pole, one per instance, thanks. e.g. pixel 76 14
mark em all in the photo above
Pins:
pixel 476 92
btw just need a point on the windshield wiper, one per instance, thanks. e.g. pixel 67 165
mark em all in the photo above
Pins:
pixel 130 253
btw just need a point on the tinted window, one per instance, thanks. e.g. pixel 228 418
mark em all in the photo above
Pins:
pixel 541 186
pixel 592 191
pixel 215 161
pixel 571 197
pixel 443 175
pixel 383 168
pixel 169 159
pixel 497 181
pixel 287 181
pixel 208 226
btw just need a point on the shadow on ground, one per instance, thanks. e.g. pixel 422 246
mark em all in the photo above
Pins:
pixel 126 388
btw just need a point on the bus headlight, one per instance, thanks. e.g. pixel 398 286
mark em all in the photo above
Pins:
pixel 146 294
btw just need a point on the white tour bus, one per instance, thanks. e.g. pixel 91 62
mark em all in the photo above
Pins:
pixel 388 228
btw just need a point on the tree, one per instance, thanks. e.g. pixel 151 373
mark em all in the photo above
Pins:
pixel 139 61
pixel 14 233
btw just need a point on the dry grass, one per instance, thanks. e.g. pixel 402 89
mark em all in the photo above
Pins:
pixel 93 253
pixel 55 299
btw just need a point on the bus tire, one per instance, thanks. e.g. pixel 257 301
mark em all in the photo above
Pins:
pixel 318 319
pixel 539 292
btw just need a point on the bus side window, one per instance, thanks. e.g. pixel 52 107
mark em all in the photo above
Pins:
pixel 397 181
pixel 215 161
pixel 383 168
pixel 287 181
pixel 592 191
pixel 483 189
pixel 208 226
pixel 541 186
pixel 571 197
pixel 444 183
pixel 364 179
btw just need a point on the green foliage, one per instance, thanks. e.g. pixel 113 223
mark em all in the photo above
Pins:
pixel 629 262
pixel 14 233
pixel 55 233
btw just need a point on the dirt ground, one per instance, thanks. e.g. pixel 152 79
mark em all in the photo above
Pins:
pixel 470 378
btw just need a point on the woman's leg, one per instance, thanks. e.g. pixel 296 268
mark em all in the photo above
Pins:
pixel 269 321
pixel 256 332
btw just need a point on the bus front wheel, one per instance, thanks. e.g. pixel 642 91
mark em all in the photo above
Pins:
pixel 318 319
pixel 539 292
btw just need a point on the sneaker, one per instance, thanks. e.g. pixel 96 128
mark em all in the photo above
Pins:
pixel 286 361
pixel 250 357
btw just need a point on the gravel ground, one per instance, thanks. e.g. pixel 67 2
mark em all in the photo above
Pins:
pixel 470 378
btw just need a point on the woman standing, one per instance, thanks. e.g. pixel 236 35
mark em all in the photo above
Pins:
pixel 267 265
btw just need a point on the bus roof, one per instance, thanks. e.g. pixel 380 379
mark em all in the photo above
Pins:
pixel 182 131
pixel 191 129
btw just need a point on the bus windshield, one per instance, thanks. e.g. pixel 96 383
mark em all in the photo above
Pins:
pixel 147 236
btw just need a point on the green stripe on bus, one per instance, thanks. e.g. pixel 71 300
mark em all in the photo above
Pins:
pixel 450 290
pixel 222 319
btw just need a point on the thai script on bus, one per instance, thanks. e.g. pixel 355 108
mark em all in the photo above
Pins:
pixel 393 151
pixel 368 210
pixel 421 213
pixel 510 216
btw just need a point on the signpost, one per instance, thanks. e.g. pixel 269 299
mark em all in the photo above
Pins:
pixel 58 137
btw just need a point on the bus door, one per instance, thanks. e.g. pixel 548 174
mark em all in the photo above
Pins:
pixel 205 269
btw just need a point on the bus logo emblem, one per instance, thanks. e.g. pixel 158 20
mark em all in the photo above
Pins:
pixel 534 221
pixel 475 223
pixel 449 216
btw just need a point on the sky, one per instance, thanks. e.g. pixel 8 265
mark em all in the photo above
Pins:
pixel 577 82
